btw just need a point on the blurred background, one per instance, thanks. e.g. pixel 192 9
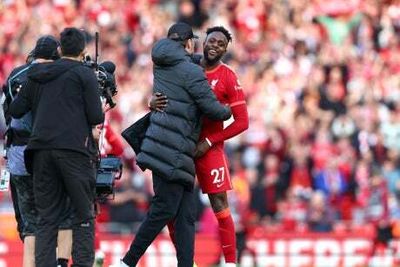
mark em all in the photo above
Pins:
pixel 316 176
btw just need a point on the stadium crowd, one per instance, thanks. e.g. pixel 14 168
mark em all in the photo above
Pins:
pixel 323 89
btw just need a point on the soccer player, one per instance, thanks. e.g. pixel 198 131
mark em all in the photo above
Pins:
pixel 211 165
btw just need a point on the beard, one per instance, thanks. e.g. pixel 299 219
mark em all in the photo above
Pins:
pixel 211 61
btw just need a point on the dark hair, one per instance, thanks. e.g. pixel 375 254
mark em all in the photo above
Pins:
pixel 30 58
pixel 222 29
pixel 72 42
pixel 182 42
pixel 46 48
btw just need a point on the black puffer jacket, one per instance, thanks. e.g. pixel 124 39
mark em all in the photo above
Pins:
pixel 171 138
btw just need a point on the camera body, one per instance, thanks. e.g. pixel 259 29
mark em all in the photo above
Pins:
pixel 110 169
pixel 105 78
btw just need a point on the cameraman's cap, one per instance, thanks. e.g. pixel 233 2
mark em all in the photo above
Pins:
pixel 46 47
pixel 180 32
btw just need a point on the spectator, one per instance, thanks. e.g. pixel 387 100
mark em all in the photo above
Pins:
pixel 331 182
pixel 320 216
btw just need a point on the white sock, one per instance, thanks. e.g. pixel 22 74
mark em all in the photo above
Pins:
pixel 230 264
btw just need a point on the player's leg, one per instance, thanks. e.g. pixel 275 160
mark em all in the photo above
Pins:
pixel 214 179
pixel 226 227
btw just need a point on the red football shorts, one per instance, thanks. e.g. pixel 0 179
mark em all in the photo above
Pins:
pixel 212 172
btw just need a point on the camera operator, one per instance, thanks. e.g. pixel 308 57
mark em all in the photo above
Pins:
pixel 65 103
pixel 21 182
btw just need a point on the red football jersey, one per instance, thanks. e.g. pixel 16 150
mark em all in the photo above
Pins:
pixel 226 87
pixel 212 168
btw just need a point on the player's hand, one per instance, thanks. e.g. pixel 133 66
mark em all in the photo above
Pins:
pixel 201 149
pixel 158 102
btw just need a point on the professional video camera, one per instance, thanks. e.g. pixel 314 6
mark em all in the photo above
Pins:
pixel 105 75
pixel 110 169
pixel 105 78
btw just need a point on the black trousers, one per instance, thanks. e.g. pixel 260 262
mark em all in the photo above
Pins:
pixel 57 175
pixel 170 202
pixel 25 208
pixel 26 203
pixel 17 213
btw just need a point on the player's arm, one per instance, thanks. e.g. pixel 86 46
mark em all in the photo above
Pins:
pixel 238 106
pixel 158 102
pixel 239 125
pixel 240 115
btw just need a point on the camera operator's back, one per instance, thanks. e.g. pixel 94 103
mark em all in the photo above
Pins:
pixel 66 89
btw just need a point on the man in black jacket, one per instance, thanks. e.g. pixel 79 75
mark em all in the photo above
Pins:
pixel 169 145
pixel 21 182
pixel 65 103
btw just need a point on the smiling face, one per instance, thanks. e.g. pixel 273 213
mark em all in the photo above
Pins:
pixel 214 47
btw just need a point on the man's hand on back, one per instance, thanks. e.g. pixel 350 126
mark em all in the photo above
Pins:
pixel 158 102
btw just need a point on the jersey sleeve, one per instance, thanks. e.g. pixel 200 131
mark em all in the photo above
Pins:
pixel 234 90
pixel 237 102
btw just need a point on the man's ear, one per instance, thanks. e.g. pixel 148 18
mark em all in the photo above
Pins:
pixel 186 43
pixel 189 46
pixel 82 55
